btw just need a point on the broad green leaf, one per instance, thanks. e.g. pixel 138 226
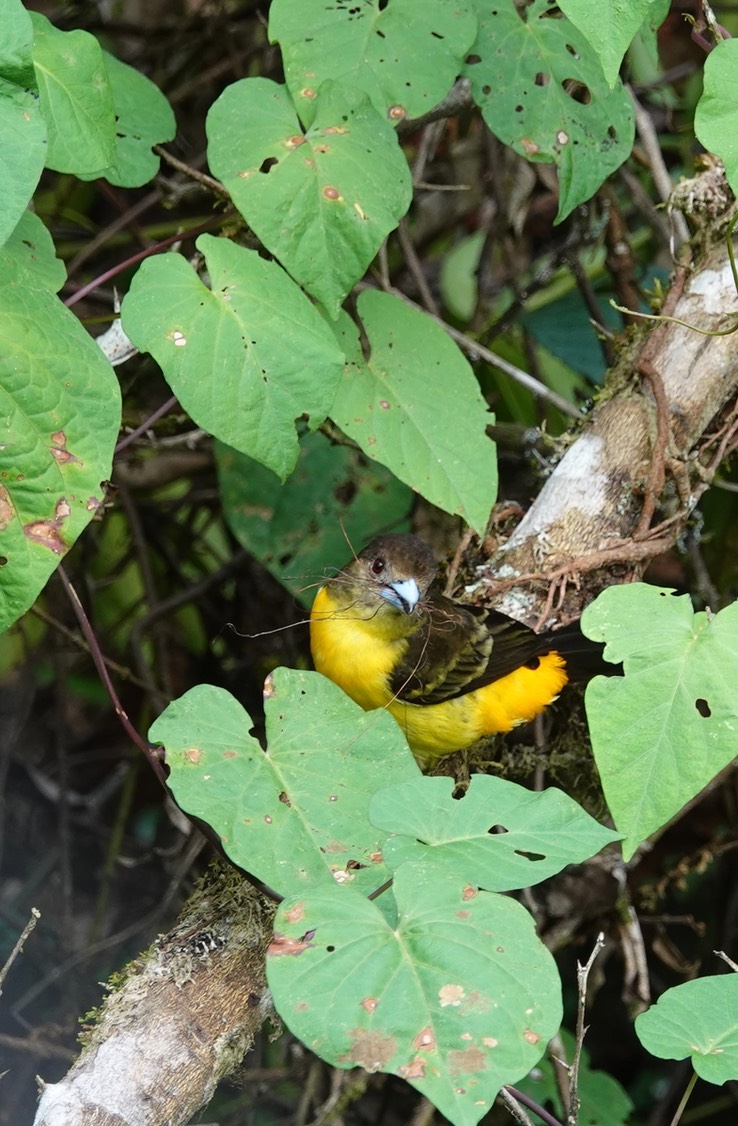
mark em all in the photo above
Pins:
pixel 416 407
pixel 32 246
pixel 404 55
pixel 715 116
pixel 334 498
pixel 143 117
pixel 616 25
pixel 498 836
pixel 59 418
pixel 603 1102
pixel 245 357
pixel 664 729
pixel 294 815
pixel 698 1019
pixel 76 99
pixel 458 995
pixel 321 201
pixel 542 91
pixel 22 127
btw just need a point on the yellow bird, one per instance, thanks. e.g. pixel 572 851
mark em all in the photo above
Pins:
pixel 449 674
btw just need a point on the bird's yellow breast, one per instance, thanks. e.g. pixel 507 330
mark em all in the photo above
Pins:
pixel 355 648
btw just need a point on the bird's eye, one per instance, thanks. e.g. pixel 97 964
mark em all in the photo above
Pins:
pixel 377 566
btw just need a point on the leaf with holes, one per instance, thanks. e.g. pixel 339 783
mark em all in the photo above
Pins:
pixel 404 55
pixel 322 201
pixel 58 425
pixel 662 731
pixel 497 836
pixel 22 127
pixel 439 983
pixel 296 529
pixel 617 24
pixel 295 815
pixel 245 357
pixel 542 91
pixel 697 1019
pixel 415 405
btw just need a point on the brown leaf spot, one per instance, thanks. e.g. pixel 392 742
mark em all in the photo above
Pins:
pixel 230 754
pixel 269 690
pixel 296 141
pixel 384 404
pixel 93 504
pixel 45 532
pixel 322 148
pixel 63 456
pixel 282 945
pixel 308 92
pixel 193 755
pixel 529 147
pixel 425 1039
pixel 396 113
pixel 477 1002
pixel 295 914
pixel 59 438
pixel 7 512
pixel 562 137
pixel 531 1037
pixel 466 1060
pixel 370 1050
pixel 359 211
pixel 490 1041
pixel 469 892
pixel 61 510
pixel 413 1070
pixel 451 995
pixel 329 192
pixel 370 1004
pixel 335 131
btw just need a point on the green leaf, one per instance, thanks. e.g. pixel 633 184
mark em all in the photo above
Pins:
pixel 334 498
pixel 404 55
pixel 244 358
pixel 715 115
pixel 294 815
pixel 143 117
pixel 322 201
pixel 664 729
pixel 498 836
pixel 32 246
pixel 458 996
pixel 698 1019
pixel 76 99
pixel 22 127
pixel 617 24
pixel 542 91
pixel 603 1102
pixel 59 419
pixel 416 406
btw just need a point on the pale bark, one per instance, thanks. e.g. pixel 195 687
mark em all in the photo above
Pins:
pixel 183 1019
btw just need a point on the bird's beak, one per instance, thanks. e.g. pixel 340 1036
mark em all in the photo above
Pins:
pixel 404 594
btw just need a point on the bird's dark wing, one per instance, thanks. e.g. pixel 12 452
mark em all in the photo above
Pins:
pixel 459 649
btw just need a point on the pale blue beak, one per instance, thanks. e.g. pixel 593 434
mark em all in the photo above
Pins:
pixel 404 594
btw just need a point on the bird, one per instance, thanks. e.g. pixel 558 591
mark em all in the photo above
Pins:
pixel 448 673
